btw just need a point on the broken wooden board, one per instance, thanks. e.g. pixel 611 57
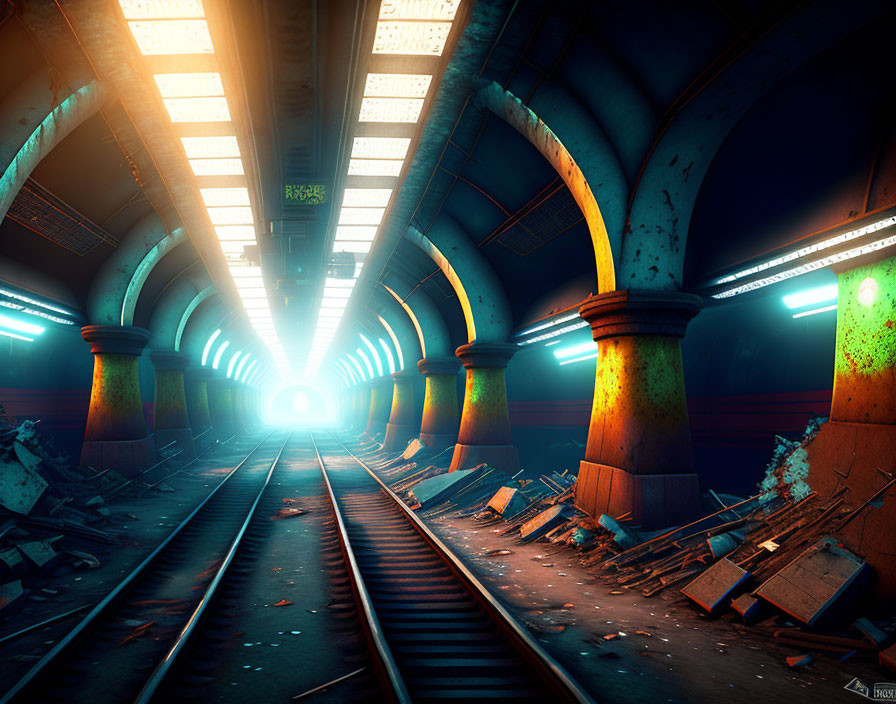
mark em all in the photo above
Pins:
pixel 721 545
pixel 20 487
pixel 507 501
pixel 716 585
pixel 749 608
pixel 622 536
pixel 813 581
pixel 542 523
pixel 40 553
pixel 433 491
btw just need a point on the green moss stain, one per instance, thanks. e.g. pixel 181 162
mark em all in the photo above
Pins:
pixel 171 400
pixel 485 419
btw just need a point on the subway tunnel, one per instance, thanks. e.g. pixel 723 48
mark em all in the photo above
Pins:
pixel 427 350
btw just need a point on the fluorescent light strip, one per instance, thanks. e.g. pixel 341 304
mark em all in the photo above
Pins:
pixel 380 147
pixel 189 85
pixel 217 167
pixel 366 361
pixel 418 38
pixel 405 110
pixel 394 338
pixel 31 311
pixel 549 324
pixel 34 301
pixel 815 311
pixel 358 367
pixel 208 345
pixel 374 167
pixel 555 333
pixel 373 353
pixel 366 198
pixel 574 350
pixel 233 361
pixel 809 266
pixel 217 359
pixel 811 249
pixel 579 359
pixel 20 325
pixel 210 147
pixel 397 85
pixel 16 336
pixel 224 197
pixel 168 37
pixel 161 9
pixel 418 9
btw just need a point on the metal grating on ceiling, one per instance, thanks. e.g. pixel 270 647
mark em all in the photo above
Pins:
pixel 39 210
pixel 554 216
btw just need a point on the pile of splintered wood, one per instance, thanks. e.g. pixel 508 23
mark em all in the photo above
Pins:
pixel 776 531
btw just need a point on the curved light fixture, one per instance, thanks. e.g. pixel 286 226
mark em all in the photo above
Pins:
pixel 366 362
pixel 208 346
pixel 395 338
pixel 358 367
pixel 242 364
pixel 220 352
pixel 389 358
pixel 347 368
pixel 376 357
pixel 233 361
pixel 248 373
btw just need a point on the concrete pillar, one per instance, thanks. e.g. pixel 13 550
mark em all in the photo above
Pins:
pixel 172 423
pixel 116 434
pixel 401 429
pixel 360 407
pixel 220 406
pixel 639 459
pixel 380 406
pixel 243 416
pixel 196 390
pixel 856 446
pixel 438 427
pixel 484 434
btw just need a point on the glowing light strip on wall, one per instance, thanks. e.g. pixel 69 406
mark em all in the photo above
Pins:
pixel 804 252
pixel 404 27
pixel 195 100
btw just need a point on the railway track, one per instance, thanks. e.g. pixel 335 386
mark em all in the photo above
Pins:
pixel 156 608
pixel 435 632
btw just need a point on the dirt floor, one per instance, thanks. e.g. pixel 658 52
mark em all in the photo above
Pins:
pixel 649 649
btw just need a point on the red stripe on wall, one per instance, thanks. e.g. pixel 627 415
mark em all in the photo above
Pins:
pixel 65 409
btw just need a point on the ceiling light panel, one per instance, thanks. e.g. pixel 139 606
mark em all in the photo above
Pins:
pixel 356 233
pixel 380 147
pixel 197 109
pixel 397 85
pixel 161 9
pixel 354 247
pixel 231 216
pixel 210 147
pixel 188 85
pixel 418 9
pixel 234 233
pixel 361 216
pixel 217 167
pixel 220 197
pixel 366 197
pixel 411 38
pixel 390 110
pixel 164 37
pixel 374 167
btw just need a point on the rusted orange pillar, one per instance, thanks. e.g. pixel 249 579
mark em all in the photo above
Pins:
pixel 484 434
pixel 116 435
pixel 380 407
pixel 172 423
pixel 439 425
pixel 856 447
pixel 639 459
pixel 400 428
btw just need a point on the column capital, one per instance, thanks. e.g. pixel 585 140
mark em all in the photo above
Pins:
pixel 168 360
pixel 115 339
pixel 639 312
pixel 199 373
pixel 446 366
pixel 479 355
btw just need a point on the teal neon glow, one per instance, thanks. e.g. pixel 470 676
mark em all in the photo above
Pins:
pixel 576 350
pixel 20 326
pixel 815 311
pixel 16 336
pixel 376 357
pixel 239 370
pixel 591 355
pixel 200 297
pixel 248 371
pixel 811 296
pixel 394 338
pixel 347 369
pixel 232 365
pixel 208 346
pixel 141 273
pixel 389 357
pixel 358 367
pixel 366 361
pixel 219 353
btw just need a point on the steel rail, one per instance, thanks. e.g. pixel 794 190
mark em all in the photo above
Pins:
pixel 375 631
pixel 537 655
pixel 158 677
pixel 38 668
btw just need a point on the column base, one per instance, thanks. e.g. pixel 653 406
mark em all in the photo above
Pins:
pixel 503 457
pixel 374 429
pixel 127 457
pixel 438 440
pixel 182 436
pixel 397 437
pixel 653 500
pixel 849 454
